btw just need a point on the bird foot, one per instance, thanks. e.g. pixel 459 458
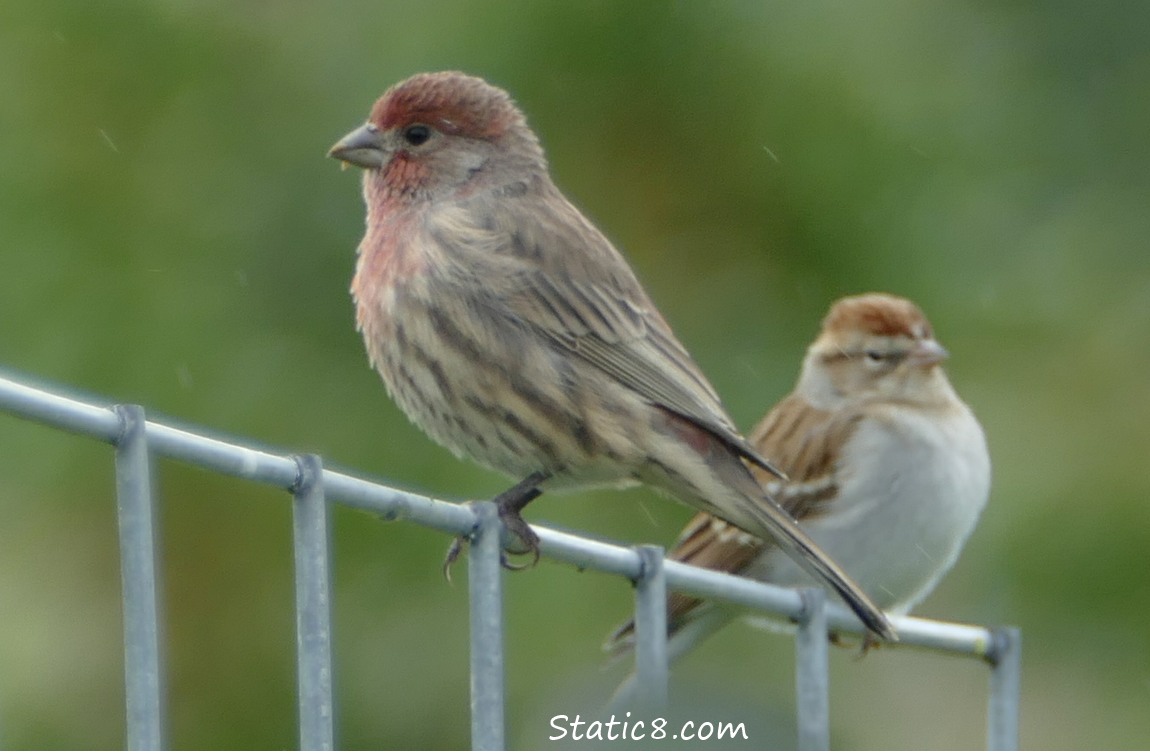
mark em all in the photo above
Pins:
pixel 509 504
pixel 513 524
pixel 870 641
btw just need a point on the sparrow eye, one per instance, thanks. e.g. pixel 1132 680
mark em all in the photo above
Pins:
pixel 417 134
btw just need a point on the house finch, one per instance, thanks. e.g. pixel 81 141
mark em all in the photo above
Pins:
pixel 512 332
pixel 889 467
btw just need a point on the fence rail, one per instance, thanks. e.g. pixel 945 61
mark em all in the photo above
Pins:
pixel 313 487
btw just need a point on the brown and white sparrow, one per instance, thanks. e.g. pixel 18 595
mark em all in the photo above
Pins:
pixel 888 468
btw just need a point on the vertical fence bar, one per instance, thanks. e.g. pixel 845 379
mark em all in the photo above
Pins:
pixel 143 667
pixel 311 520
pixel 651 666
pixel 143 652
pixel 485 586
pixel 812 673
pixel 1005 690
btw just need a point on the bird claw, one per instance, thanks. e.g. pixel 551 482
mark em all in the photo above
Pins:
pixel 514 525
pixel 509 565
pixel 517 527
pixel 453 552
pixel 870 641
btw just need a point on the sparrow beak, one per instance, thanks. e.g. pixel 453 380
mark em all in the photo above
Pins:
pixel 927 352
pixel 362 147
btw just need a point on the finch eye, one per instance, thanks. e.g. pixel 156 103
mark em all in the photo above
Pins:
pixel 417 134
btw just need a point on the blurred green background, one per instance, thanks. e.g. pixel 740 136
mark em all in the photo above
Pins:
pixel 172 235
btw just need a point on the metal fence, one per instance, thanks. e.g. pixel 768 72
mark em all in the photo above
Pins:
pixel 313 488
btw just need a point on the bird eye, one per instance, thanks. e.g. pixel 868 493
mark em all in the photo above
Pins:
pixel 874 356
pixel 417 134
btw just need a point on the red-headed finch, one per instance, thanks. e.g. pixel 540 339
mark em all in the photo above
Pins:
pixel 512 332
pixel 889 468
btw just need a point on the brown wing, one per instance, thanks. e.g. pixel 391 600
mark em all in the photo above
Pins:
pixel 804 442
pixel 560 275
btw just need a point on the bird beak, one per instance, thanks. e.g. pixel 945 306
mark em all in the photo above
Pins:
pixel 927 352
pixel 362 147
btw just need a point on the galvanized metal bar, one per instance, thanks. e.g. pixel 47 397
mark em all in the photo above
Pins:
pixel 312 535
pixel 392 503
pixel 651 667
pixel 58 411
pixel 585 554
pixel 1003 712
pixel 485 585
pixel 229 458
pixel 729 588
pixel 1002 648
pixel 948 637
pixel 143 663
pixel 812 673
pixel 395 504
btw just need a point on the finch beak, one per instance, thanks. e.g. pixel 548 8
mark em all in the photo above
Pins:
pixel 927 352
pixel 362 147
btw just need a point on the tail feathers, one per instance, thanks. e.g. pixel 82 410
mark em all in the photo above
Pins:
pixel 723 485
pixel 755 508
pixel 682 610
pixel 621 640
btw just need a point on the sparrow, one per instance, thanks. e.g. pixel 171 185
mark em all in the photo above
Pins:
pixel 888 468
pixel 511 331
